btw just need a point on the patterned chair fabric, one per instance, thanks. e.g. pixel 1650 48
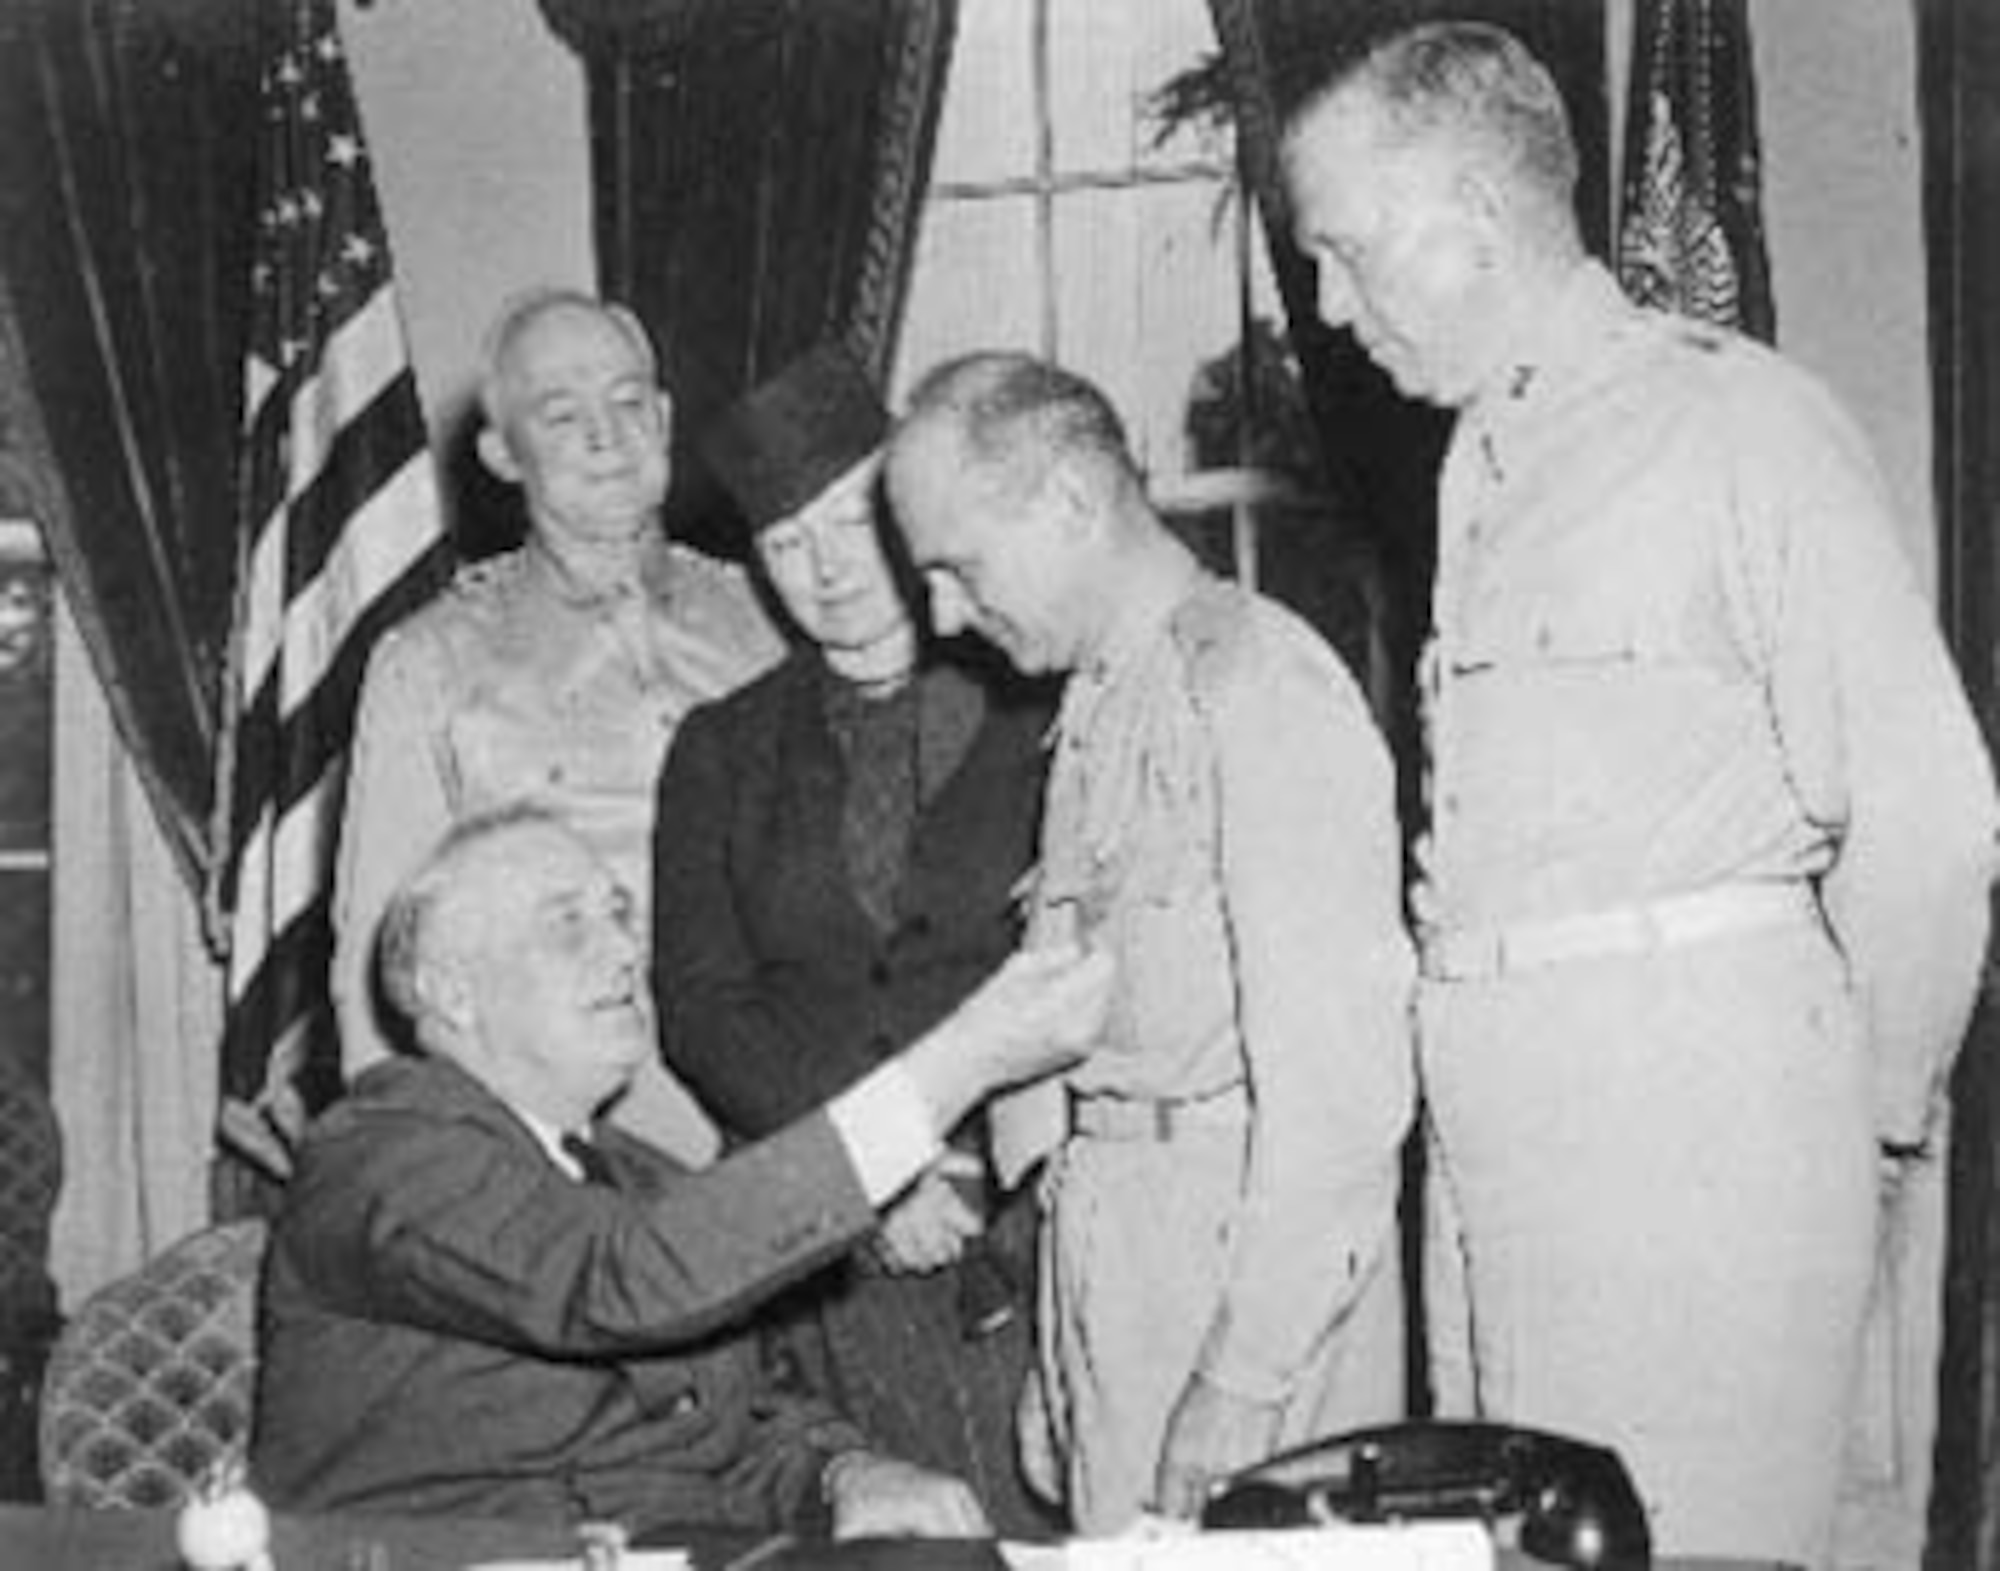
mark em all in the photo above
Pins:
pixel 150 1384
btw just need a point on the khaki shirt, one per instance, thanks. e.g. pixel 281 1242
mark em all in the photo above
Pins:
pixel 1221 817
pixel 1677 646
pixel 511 686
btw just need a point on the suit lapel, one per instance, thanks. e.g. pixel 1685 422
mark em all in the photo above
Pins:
pixel 951 706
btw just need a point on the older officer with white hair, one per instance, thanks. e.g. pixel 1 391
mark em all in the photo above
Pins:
pixel 556 672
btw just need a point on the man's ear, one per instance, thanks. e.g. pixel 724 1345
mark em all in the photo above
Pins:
pixel 1072 496
pixel 444 993
pixel 496 455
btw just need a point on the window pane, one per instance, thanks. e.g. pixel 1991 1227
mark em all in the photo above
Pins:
pixel 1091 90
pixel 975 285
pixel 987 128
pixel 1107 59
pixel 1146 294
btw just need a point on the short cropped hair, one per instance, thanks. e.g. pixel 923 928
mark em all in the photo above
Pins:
pixel 410 938
pixel 521 312
pixel 1015 416
pixel 1472 83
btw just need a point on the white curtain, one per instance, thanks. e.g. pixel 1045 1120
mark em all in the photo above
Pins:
pixel 136 1005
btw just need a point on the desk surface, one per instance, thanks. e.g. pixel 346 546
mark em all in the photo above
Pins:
pixel 144 1541
pixel 53 1540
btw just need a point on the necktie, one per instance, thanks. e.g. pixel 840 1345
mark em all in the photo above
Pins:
pixel 881 737
pixel 589 1160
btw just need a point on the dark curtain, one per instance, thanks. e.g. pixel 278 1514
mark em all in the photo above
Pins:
pixel 126 134
pixel 1958 94
pixel 1381 451
pixel 758 170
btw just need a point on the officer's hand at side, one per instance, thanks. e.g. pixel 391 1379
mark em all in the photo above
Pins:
pixel 1212 1434
pixel 876 1496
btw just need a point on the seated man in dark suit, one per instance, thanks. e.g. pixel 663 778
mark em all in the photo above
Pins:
pixel 469 1308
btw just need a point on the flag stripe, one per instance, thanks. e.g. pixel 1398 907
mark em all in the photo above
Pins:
pixel 342 532
pixel 315 734
pixel 362 359
pixel 292 753
pixel 279 1007
pixel 289 857
pixel 324 563
pixel 374 551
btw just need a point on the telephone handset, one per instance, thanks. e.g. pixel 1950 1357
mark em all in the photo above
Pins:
pixel 1575 1501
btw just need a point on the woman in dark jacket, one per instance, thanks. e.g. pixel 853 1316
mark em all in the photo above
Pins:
pixel 836 856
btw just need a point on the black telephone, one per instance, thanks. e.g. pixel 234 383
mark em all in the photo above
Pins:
pixel 1575 1501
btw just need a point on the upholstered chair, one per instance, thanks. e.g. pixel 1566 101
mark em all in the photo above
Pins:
pixel 150 1384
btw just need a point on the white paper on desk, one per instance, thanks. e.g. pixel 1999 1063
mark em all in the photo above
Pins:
pixel 1415 1546
pixel 628 1560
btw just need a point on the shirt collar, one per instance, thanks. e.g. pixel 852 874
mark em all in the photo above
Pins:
pixel 550 1139
pixel 1587 301
pixel 1140 614
pixel 571 586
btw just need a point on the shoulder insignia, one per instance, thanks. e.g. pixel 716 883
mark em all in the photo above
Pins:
pixel 699 579
pixel 687 560
pixel 479 592
pixel 485 575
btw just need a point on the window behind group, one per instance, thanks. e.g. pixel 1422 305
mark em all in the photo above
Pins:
pixel 1084 206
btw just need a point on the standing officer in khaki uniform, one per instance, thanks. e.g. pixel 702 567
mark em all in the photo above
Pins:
pixel 555 673
pixel 1704 889
pixel 1219 1261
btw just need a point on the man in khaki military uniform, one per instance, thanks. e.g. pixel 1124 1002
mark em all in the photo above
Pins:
pixel 557 672
pixel 1220 1273
pixel 1705 882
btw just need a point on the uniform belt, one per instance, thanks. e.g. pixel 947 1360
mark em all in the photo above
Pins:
pixel 1100 1116
pixel 1470 954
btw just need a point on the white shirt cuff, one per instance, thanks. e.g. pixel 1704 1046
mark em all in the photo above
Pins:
pixel 886 1126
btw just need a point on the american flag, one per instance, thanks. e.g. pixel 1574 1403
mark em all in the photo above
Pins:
pixel 340 532
pixel 1691 233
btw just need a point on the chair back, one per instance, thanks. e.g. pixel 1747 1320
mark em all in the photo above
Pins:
pixel 151 1382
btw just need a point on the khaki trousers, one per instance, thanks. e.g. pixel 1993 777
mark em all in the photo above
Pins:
pixel 1135 1253
pixel 1663 1171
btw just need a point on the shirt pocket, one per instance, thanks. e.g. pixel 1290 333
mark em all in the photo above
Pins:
pixel 506 754
pixel 513 747
pixel 1559 626
pixel 1171 942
